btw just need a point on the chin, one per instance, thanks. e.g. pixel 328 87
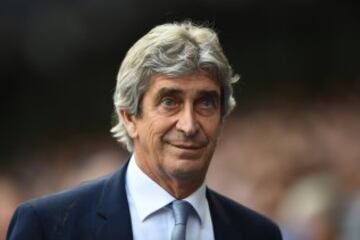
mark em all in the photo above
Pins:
pixel 189 168
pixel 189 174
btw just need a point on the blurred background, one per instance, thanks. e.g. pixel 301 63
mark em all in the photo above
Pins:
pixel 290 150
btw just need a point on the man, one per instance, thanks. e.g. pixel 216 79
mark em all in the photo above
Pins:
pixel 174 89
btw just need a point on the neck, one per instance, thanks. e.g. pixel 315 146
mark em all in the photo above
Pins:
pixel 181 190
pixel 179 186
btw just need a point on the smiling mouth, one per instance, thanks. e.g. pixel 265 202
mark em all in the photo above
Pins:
pixel 188 146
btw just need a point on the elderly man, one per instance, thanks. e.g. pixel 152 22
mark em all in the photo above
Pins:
pixel 174 89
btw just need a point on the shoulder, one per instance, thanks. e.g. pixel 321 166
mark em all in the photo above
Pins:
pixel 43 217
pixel 80 197
pixel 235 209
pixel 249 222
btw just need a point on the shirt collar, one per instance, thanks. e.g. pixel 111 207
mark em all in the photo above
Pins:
pixel 149 197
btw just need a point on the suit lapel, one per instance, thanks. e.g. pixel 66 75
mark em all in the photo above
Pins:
pixel 222 225
pixel 113 216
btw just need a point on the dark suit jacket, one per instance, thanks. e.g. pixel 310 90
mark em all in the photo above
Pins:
pixel 98 210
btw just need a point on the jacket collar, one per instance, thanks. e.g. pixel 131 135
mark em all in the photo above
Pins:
pixel 113 219
pixel 223 225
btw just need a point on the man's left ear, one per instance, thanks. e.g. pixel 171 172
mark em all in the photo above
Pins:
pixel 129 123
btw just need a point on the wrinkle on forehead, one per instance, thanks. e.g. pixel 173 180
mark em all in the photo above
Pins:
pixel 178 82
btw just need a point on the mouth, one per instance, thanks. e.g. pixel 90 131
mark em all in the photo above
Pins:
pixel 188 151
pixel 188 147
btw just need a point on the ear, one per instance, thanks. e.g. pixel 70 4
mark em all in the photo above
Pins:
pixel 129 123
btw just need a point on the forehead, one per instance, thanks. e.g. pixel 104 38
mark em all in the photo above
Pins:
pixel 188 84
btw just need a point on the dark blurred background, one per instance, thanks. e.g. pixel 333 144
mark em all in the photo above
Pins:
pixel 299 62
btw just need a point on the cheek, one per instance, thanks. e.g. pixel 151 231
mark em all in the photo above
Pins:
pixel 156 128
pixel 212 128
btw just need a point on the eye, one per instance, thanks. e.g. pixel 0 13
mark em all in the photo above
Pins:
pixel 168 102
pixel 207 105
pixel 207 102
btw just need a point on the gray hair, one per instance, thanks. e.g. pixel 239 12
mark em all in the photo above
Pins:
pixel 173 49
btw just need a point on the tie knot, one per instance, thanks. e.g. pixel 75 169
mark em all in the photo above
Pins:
pixel 181 210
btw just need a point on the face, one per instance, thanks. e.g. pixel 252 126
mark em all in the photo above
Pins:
pixel 176 133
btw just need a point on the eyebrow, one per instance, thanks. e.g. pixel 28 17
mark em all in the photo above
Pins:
pixel 209 93
pixel 167 92
pixel 177 92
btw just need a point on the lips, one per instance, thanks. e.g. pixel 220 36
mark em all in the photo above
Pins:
pixel 185 143
pixel 187 146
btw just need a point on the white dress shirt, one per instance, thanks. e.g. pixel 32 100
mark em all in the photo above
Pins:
pixel 151 215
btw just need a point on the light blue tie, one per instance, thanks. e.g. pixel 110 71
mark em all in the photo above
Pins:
pixel 181 210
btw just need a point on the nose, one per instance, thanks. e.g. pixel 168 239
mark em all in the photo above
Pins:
pixel 187 122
